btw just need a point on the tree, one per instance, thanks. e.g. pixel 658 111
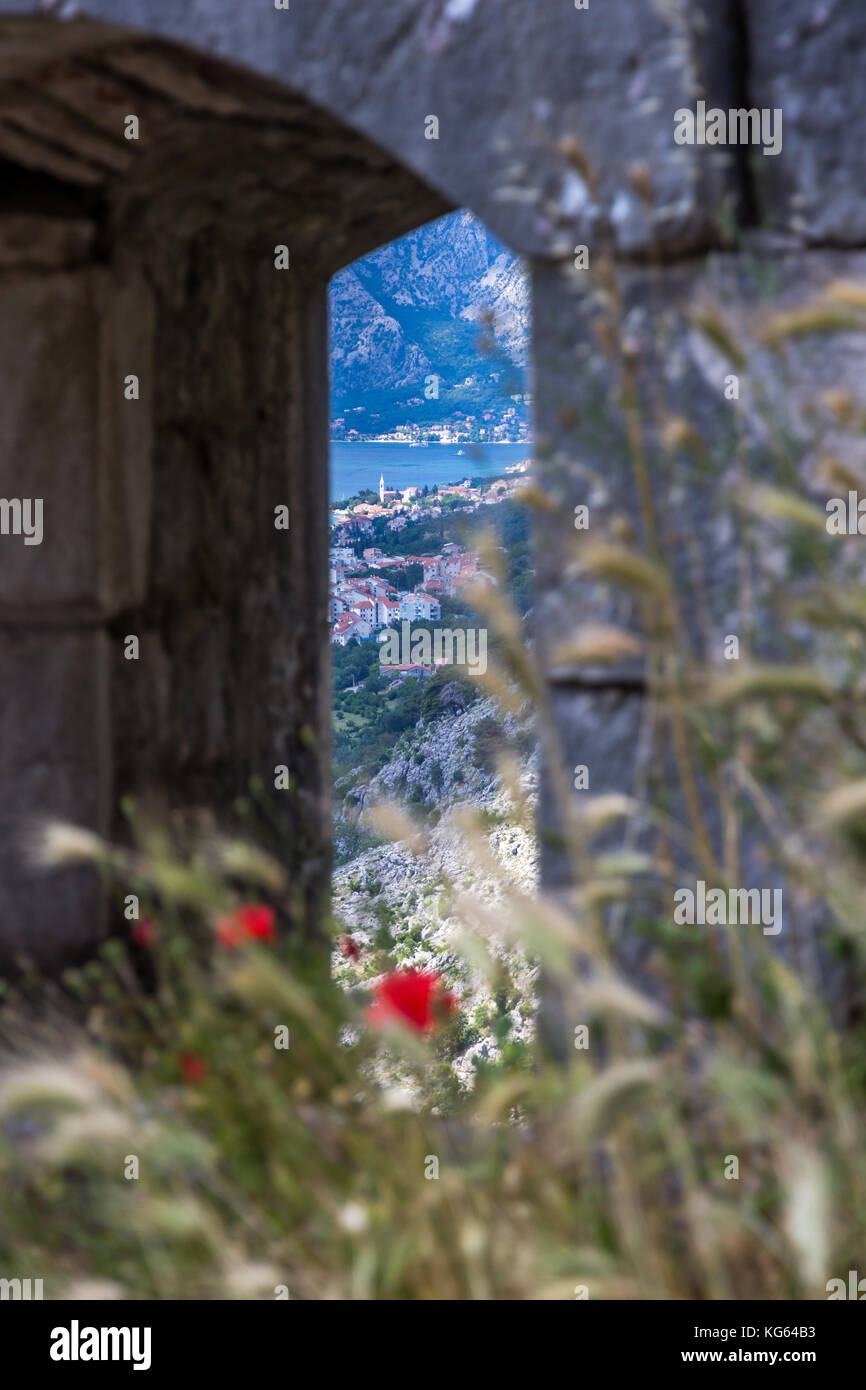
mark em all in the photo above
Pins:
pixel 408 576
pixel 446 693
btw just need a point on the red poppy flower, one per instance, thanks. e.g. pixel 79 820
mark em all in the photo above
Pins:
pixel 413 998
pixel 144 932
pixel 192 1067
pixel 350 949
pixel 252 922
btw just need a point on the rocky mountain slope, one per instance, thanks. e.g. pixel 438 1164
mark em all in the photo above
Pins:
pixel 421 305
pixel 437 771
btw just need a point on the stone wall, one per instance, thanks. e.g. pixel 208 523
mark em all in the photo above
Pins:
pixel 736 570
pixel 54 737
pixel 308 126
pixel 156 258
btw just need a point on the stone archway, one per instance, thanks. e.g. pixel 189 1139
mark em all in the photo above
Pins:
pixel 155 259
pixel 108 253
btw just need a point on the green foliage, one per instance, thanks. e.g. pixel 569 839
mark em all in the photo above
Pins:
pixel 489 741
pixel 447 693
pixel 559 1166
pixel 408 577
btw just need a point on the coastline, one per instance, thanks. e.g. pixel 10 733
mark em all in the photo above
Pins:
pixel 358 466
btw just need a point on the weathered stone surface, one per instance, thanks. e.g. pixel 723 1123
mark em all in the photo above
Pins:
pixel 508 89
pixel 30 242
pixel 215 144
pixel 736 569
pixel 55 763
pixel 807 59
pixel 610 77
pixel 125 414
pixel 69 437
pixel 49 362
pixel 233 674
pixel 583 452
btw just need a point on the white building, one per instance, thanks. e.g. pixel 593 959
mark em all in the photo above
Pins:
pixel 421 606
pixel 347 629
pixel 365 613
pixel 388 611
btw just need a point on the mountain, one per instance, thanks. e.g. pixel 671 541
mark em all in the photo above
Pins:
pixel 447 300
pixel 444 771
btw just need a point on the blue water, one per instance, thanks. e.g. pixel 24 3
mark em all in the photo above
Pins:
pixel 356 466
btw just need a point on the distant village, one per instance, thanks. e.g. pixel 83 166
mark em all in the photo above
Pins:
pixel 361 607
pixel 507 424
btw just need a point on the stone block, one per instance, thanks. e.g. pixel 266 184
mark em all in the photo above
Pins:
pixel 49 447
pixel 509 84
pixel 54 756
pixel 806 59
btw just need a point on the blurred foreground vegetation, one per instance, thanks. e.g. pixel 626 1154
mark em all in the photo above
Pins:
pixel 707 1143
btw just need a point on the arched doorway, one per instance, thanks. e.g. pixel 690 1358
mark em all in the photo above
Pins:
pixel 168 230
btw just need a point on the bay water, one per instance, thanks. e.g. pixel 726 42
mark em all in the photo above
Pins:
pixel 357 466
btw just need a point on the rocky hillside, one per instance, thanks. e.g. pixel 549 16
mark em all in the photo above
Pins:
pixel 421 305
pixel 436 771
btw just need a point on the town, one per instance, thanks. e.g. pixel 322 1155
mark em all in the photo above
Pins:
pixel 364 600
